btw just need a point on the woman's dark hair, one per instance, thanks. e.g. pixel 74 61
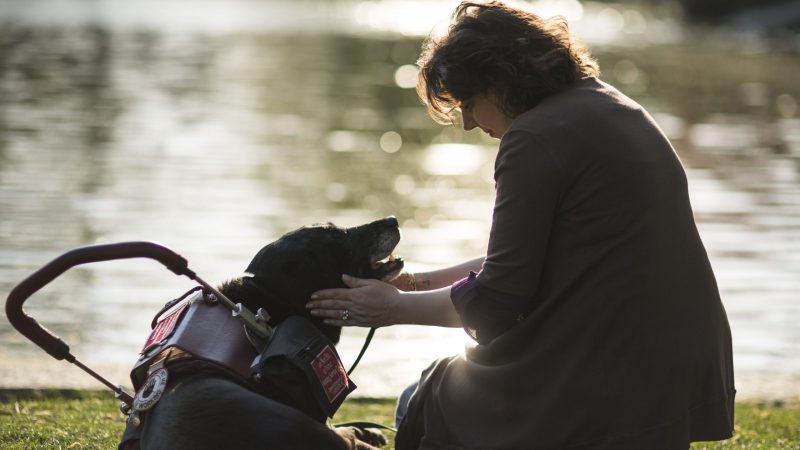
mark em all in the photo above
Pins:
pixel 496 49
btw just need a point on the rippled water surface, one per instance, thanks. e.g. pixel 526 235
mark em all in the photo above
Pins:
pixel 218 134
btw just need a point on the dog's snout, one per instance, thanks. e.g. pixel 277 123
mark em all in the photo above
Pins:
pixel 388 225
pixel 385 223
pixel 391 221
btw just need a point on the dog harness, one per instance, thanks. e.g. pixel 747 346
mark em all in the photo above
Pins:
pixel 193 333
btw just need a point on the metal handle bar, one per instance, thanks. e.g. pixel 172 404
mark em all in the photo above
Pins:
pixel 40 335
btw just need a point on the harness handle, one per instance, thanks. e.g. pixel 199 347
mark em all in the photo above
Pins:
pixel 40 335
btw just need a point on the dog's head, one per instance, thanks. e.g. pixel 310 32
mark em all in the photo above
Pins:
pixel 286 272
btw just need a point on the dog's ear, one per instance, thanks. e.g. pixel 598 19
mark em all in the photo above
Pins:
pixel 291 267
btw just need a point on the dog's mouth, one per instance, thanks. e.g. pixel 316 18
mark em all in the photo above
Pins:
pixel 386 267
pixel 379 239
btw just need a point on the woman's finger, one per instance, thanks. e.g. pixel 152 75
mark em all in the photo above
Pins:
pixel 353 282
pixel 341 323
pixel 336 318
pixel 328 313
pixel 354 319
pixel 331 294
pixel 328 304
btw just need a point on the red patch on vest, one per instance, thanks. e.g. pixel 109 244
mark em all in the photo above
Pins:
pixel 330 372
pixel 164 327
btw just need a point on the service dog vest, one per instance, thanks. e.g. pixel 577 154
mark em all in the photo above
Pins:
pixel 297 364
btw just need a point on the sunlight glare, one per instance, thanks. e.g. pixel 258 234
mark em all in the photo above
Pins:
pixel 572 10
pixel 411 18
pixel 612 19
pixel 453 159
pixel 406 76
pixel 404 184
pixel 342 141
pixel 391 141
pixel 422 18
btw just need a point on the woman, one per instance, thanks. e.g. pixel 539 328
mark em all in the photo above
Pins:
pixel 596 311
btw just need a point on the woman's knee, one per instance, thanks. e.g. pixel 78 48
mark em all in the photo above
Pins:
pixel 402 402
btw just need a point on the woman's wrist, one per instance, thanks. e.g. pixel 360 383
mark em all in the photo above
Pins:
pixel 412 282
pixel 407 282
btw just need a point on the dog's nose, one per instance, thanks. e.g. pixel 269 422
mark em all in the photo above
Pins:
pixel 391 220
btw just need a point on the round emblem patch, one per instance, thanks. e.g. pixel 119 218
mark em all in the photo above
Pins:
pixel 151 391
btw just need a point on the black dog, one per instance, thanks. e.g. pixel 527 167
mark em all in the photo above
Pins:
pixel 203 410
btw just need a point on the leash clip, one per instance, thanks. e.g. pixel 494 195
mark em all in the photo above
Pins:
pixel 253 323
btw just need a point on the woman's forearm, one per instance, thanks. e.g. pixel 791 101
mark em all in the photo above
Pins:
pixel 436 279
pixel 432 307
pixel 373 303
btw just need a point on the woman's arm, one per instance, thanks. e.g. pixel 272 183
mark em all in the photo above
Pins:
pixel 373 303
pixel 437 279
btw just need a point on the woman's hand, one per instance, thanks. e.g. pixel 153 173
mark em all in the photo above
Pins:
pixel 367 303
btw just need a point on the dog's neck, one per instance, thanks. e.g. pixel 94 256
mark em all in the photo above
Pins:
pixel 243 290
pixel 255 293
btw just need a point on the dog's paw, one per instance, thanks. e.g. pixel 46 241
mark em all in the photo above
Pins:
pixel 372 437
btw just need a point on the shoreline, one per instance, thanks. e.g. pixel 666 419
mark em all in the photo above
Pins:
pixel 768 387
pixel 63 377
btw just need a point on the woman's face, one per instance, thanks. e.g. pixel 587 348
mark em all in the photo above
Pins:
pixel 482 111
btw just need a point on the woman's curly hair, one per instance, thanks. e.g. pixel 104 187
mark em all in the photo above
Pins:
pixel 496 49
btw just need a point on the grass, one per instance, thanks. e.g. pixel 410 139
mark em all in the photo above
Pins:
pixel 54 419
pixel 78 420
pixel 762 426
pixel 83 420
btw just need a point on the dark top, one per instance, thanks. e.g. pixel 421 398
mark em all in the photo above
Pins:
pixel 605 328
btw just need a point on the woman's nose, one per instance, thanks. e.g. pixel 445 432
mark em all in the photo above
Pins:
pixel 469 122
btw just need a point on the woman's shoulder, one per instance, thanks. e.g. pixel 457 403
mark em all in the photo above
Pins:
pixel 573 109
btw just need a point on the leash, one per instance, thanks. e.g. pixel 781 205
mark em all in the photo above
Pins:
pixel 363 350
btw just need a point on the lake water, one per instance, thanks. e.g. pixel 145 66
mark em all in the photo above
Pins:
pixel 215 127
